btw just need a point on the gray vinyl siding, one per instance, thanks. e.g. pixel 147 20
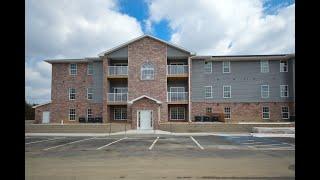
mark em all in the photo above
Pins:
pixel 119 54
pixel 97 82
pixel 175 53
pixel 245 80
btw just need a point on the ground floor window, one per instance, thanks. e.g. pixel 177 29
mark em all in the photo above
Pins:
pixel 177 113
pixel 72 114
pixel 209 110
pixel 285 112
pixel 89 113
pixel 227 112
pixel 265 112
pixel 120 113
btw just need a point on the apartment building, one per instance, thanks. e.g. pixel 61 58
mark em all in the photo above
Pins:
pixel 148 81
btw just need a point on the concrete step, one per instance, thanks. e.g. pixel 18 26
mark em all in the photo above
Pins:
pixel 274 130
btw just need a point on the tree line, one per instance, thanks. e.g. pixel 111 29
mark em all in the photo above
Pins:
pixel 29 112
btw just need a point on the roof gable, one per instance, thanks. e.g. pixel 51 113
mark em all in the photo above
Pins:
pixel 139 38
pixel 144 96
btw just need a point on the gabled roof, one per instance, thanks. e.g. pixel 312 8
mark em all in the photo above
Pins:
pixel 86 59
pixel 144 96
pixel 141 37
pixel 41 104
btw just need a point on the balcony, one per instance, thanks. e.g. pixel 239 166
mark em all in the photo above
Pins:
pixel 118 71
pixel 117 98
pixel 177 70
pixel 178 97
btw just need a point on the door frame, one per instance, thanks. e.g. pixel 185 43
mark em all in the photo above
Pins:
pixel 43 112
pixel 152 123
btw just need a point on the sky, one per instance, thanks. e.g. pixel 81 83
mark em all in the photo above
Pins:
pixel 82 28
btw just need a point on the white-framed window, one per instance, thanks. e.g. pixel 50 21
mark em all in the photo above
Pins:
pixel 265 112
pixel 208 67
pixel 283 66
pixel 209 110
pixel 147 71
pixel 226 67
pixel 72 93
pixel 208 91
pixel 264 91
pixel 227 112
pixel 177 89
pixel 72 114
pixel 120 90
pixel 89 93
pixel 120 113
pixel 89 113
pixel 284 91
pixel 285 112
pixel 90 69
pixel 177 113
pixel 264 66
pixel 73 69
pixel 226 91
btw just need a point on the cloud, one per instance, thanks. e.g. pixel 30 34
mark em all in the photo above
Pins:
pixel 214 27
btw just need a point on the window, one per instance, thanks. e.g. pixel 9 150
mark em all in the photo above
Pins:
pixel 73 69
pixel 226 91
pixel 285 112
pixel 89 93
pixel 264 66
pixel 72 114
pixel 227 112
pixel 283 66
pixel 209 110
pixel 177 113
pixel 147 71
pixel 89 113
pixel 226 67
pixel 208 91
pixel 72 93
pixel 90 69
pixel 284 91
pixel 207 67
pixel 264 91
pixel 120 113
pixel 265 112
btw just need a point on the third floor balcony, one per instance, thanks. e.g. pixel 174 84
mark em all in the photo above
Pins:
pixel 177 70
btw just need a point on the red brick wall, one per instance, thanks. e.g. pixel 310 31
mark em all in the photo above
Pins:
pixel 61 82
pixel 242 111
pixel 38 113
pixel 155 52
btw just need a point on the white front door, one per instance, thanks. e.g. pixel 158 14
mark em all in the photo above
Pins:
pixel 144 119
pixel 45 117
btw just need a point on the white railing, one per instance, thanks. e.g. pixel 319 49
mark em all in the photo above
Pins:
pixel 117 70
pixel 177 96
pixel 177 69
pixel 117 97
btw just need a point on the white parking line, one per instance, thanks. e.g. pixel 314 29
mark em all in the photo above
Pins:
pixel 111 143
pixel 44 140
pixel 196 143
pixel 69 143
pixel 262 145
pixel 154 142
pixel 257 142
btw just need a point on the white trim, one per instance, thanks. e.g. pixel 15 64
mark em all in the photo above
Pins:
pixel 138 38
pixel 286 112
pixel 70 69
pixel 89 63
pixel 208 62
pixel 287 91
pixel 261 92
pixel 224 91
pixel 224 111
pixel 75 93
pixel 88 113
pixel 75 114
pixel 267 66
pixel 41 104
pixel 176 107
pixel 90 93
pixel 144 96
pixel 266 112
pixel 114 114
pixel 142 69
pixel 229 66
pixel 210 92
pixel 281 69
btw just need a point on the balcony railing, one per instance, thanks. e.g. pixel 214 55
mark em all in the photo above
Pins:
pixel 177 96
pixel 177 69
pixel 118 70
pixel 117 97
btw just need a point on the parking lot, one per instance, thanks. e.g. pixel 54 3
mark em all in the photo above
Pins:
pixel 159 157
